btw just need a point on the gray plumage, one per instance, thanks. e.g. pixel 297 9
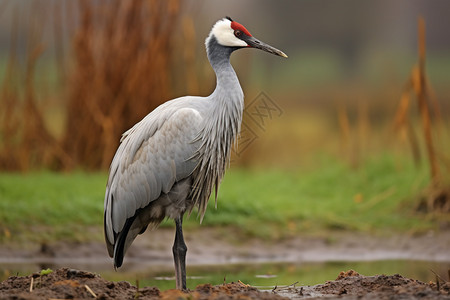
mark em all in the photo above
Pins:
pixel 172 159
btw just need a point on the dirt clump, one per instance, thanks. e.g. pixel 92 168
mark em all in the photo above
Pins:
pixel 67 283
pixel 348 273
pixel 352 285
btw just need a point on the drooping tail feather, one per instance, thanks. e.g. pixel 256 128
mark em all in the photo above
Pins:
pixel 120 243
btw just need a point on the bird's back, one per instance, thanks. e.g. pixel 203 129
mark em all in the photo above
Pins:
pixel 151 173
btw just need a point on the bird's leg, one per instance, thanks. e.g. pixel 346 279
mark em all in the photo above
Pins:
pixel 179 250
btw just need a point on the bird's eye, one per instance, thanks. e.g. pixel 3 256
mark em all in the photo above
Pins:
pixel 237 33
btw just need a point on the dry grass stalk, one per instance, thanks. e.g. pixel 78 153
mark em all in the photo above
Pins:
pixel 403 125
pixel 31 284
pixel 364 137
pixel 26 141
pixel 351 143
pixel 437 196
pixel 344 126
pixel 10 105
pixel 420 87
pixel 418 84
pixel 90 291
pixel 121 72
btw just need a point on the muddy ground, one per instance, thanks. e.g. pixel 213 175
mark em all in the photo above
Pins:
pixel 67 283
pixel 208 246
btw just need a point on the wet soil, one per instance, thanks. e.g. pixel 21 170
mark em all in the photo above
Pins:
pixel 214 246
pixel 67 283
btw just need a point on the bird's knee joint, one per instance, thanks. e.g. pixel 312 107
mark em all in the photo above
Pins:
pixel 179 249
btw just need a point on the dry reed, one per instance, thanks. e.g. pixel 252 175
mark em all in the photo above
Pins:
pixel 121 72
pixel 437 196
pixel 417 84
pixel 26 142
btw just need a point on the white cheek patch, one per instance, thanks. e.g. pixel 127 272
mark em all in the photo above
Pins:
pixel 225 34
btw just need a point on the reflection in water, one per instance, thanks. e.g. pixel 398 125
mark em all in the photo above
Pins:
pixel 260 275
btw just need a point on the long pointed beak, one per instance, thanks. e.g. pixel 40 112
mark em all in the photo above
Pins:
pixel 255 43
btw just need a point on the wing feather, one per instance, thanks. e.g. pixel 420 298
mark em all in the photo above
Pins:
pixel 153 155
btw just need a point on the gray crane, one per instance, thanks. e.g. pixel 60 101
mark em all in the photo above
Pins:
pixel 172 159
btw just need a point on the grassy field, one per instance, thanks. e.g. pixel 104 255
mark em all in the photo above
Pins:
pixel 379 197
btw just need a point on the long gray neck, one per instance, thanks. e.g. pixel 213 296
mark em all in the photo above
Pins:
pixel 228 98
pixel 221 126
pixel 219 58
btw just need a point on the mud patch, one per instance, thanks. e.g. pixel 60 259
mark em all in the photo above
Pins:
pixel 67 283
pixel 351 285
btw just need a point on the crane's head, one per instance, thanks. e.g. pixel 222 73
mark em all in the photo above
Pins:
pixel 230 33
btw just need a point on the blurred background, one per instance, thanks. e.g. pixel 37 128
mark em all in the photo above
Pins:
pixel 75 75
pixel 350 133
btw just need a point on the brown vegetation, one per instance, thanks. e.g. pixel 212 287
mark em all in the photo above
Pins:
pixel 419 85
pixel 25 144
pixel 437 197
pixel 120 74
pixel 120 70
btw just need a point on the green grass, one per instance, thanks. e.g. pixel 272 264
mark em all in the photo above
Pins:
pixel 47 206
pixel 378 197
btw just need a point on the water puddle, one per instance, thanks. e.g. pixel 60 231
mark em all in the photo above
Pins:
pixel 263 275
